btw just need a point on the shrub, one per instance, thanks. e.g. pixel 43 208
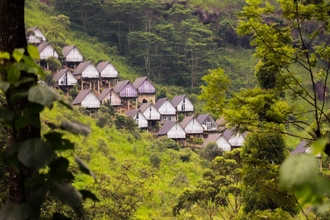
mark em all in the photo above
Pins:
pixel 119 121
pixel 101 121
pixel 109 108
pixel 169 143
pixel 155 160
pixel 53 64
pixel 123 122
pixel 74 91
pixel 185 158
pixel 180 180
pixel 211 151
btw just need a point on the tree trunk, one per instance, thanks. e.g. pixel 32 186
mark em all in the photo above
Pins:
pixel 12 35
pixel 12 29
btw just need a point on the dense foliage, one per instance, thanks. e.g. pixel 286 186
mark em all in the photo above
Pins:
pixel 291 40
pixel 262 155
pixel 169 42
pixel 137 175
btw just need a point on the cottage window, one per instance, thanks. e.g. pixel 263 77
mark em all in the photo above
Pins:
pixel 128 91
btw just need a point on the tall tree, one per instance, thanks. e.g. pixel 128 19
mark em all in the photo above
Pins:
pixel 292 43
pixel 219 192
pixel 58 23
pixel 12 29
pixel 262 154
pixel 27 153
pixel 293 56
pixel 199 48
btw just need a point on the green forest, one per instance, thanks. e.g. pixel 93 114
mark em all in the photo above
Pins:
pixel 263 66
pixel 173 44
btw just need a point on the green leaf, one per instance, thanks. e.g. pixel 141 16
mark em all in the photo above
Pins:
pixel 76 128
pixel 22 121
pixel 12 211
pixel 4 55
pixel 12 161
pixel 35 154
pixel 18 54
pixel 17 95
pixel 86 194
pixel 318 146
pixel 36 181
pixel 26 120
pixel 38 196
pixel 297 171
pixel 67 194
pixel 57 142
pixel 6 115
pixel 33 52
pixel 43 95
pixel 66 104
pixel 64 145
pixel 25 80
pixel 34 108
pixel 83 167
pixel 60 163
pixel 4 86
pixel 13 149
pixel 14 73
pixel 30 66
pixel 61 176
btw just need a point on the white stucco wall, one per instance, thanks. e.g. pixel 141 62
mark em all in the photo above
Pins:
pixel 74 56
pixel 109 72
pixel 71 79
pixel 236 140
pixel 167 109
pixel 37 38
pixel 188 106
pixel 90 101
pixel 90 72
pixel 47 52
pixel 194 127
pixel 176 132
pixel 141 121
pixel 223 143
pixel 153 114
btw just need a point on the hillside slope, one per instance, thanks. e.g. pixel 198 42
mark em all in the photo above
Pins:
pixel 132 169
